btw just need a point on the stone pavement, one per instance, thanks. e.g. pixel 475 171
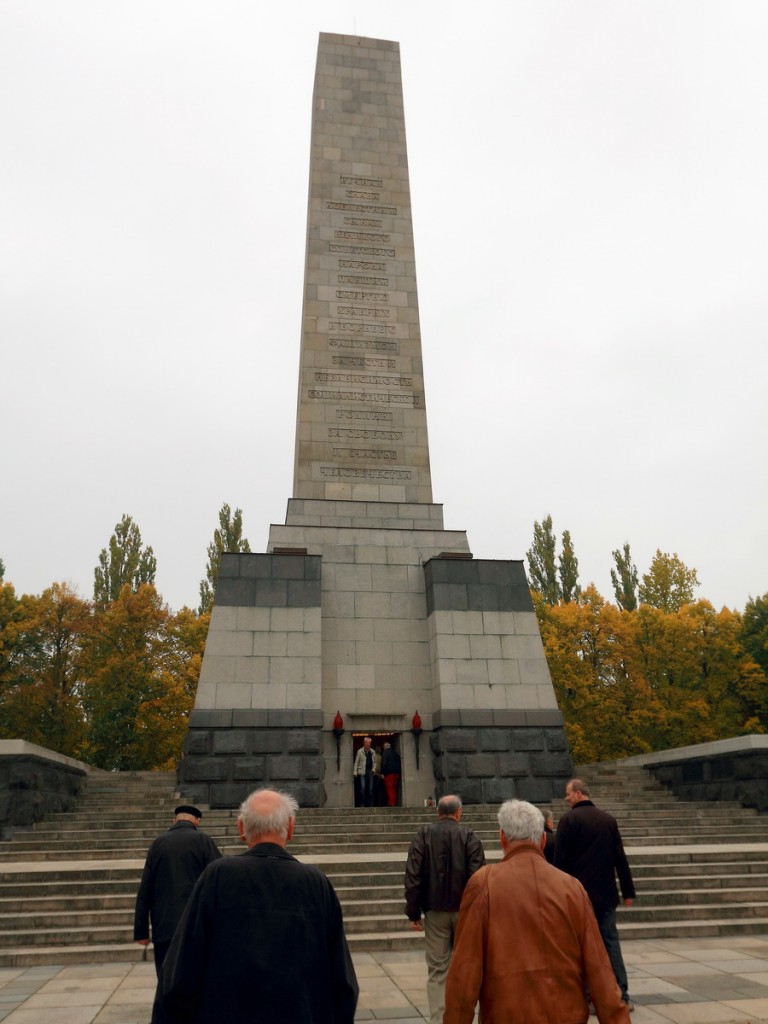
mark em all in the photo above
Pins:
pixel 683 981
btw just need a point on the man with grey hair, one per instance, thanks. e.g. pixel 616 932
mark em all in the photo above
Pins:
pixel 527 943
pixel 262 936
pixel 442 858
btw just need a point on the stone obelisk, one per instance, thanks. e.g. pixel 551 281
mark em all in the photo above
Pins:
pixel 367 616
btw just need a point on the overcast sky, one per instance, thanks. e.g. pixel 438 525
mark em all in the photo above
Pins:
pixel 590 201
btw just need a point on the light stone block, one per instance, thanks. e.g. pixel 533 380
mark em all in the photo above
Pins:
pixel 523 698
pixel 230 643
pixel 303 645
pixel 474 672
pixel 456 697
pixel 254 619
pixel 251 670
pixel 350 676
pixel 286 670
pixel 206 696
pixel 217 668
pixel 453 646
pixel 233 695
pixel 535 673
pixel 442 622
pixel 464 622
pixel 289 620
pixel 303 695
pixel 484 647
pixel 503 672
pixel 526 622
pixel 223 618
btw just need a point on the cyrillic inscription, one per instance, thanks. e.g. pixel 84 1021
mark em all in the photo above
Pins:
pixel 364 362
pixel 382 314
pixel 346 179
pixel 361 208
pixel 376 282
pixel 352 193
pixel 368 379
pixel 363 222
pixel 362 250
pixel 341 293
pixel 361 236
pixel 369 415
pixel 361 265
pixel 364 434
pixel 365 453
pixel 370 344
pixel 371 474
pixel 360 328
pixel 374 397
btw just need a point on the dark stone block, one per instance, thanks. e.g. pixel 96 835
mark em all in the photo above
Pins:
pixel 480 765
pixel 499 573
pixel 437 767
pixel 314 768
pixel 551 764
pixel 528 739
pixel 493 739
pixel 204 769
pixel 445 719
pixel 288 567
pixel 453 767
pixel 313 567
pixel 513 765
pixel 447 597
pixel 304 741
pixel 482 597
pixel 312 718
pixel 473 717
pixel 470 791
pixel 556 740
pixel 229 565
pixel 248 769
pixel 721 768
pixel 515 599
pixel 543 719
pixel 436 571
pixel 496 791
pixel 236 593
pixel 249 718
pixel 286 719
pixel 509 718
pixel 229 741
pixel 303 593
pixel 460 740
pixel 210 719
pixel 309 794
pixel 693 771
pixel 267 741
pixel 194 794
pixel 228 794
pixel 256 566
pixel 535 791
pixel 198 741
pixel 284 767
pixel 271 594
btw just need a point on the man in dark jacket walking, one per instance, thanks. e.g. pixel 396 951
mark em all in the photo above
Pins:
pixel 588 846
pixel 174 862
pixel 442 858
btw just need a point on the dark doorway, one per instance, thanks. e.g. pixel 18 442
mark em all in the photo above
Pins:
pixel 379 789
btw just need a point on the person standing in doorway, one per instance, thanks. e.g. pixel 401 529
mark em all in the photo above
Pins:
pixel 365 768
pixel 391 770
pixel 588 846
pixel 442 858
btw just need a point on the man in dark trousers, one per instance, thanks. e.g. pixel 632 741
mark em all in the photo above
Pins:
pixel 174 862
pixel 262 937
pixel 442 858
pixel 588 846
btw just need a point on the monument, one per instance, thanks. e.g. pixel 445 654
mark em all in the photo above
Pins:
pixel 366 616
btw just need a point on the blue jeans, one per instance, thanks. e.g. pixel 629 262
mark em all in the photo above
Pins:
pixel 606 922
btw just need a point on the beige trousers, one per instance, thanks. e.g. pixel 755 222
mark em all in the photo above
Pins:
pixel 439 929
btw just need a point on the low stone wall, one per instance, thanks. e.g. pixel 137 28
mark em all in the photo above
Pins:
pixel 35 781
pixel 489 757
pixel 733 769
pixel 228 754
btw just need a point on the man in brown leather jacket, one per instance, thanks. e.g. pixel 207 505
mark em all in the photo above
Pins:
pixel 527 945
pixel 442 858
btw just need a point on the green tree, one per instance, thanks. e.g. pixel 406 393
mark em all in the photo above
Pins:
pixel 126 562
pixel 625 580
pixel 568 570
pixel 2 570
pixel 542 562
pixel 668 584
pixel 227 537
pixel 754 630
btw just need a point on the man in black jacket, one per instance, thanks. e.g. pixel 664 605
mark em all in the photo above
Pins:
pixel 588 846
pixel 175 861
pixel 442 858
pixel 262 937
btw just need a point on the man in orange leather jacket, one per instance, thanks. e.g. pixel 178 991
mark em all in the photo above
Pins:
pixel 527 944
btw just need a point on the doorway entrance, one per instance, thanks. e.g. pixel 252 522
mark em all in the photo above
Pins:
pixel 380 797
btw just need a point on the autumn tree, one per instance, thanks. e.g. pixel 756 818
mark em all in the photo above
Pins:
pixel 125 562
pixel 624 579
pixel 568 570
pixel 754 630
pixel 542 562
pixel 227 537
pixel 668 584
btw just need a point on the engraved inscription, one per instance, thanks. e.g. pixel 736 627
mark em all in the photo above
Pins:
pixel 382 314
pixel 361 208
pixel 376 282
pixel 361 265
pixel 362 250
pixel 360 328
pixel 364 362
pixel 365 434
pixel 374 397
pixel 369 344
pixel 363 222
pixel 367 415
pixel 361 236
pixel 365 453
pixel 352 193
pixel 371 474
pixel 369 379
pixel 341 293
pixel 347 179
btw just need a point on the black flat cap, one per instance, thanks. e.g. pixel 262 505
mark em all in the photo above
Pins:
pixel 189 809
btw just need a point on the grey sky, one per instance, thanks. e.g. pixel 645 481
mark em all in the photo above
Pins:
pixel 591 219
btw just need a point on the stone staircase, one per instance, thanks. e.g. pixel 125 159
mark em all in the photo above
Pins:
pixel 67 885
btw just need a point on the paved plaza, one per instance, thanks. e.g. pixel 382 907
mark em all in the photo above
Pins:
pixel 684 981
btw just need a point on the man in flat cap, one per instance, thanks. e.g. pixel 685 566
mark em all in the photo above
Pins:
pixel 174 862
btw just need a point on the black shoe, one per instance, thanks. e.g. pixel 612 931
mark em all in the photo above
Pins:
pixel 629 1004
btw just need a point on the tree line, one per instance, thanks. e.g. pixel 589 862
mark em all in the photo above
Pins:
pixel 110 680
pixel 657 668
